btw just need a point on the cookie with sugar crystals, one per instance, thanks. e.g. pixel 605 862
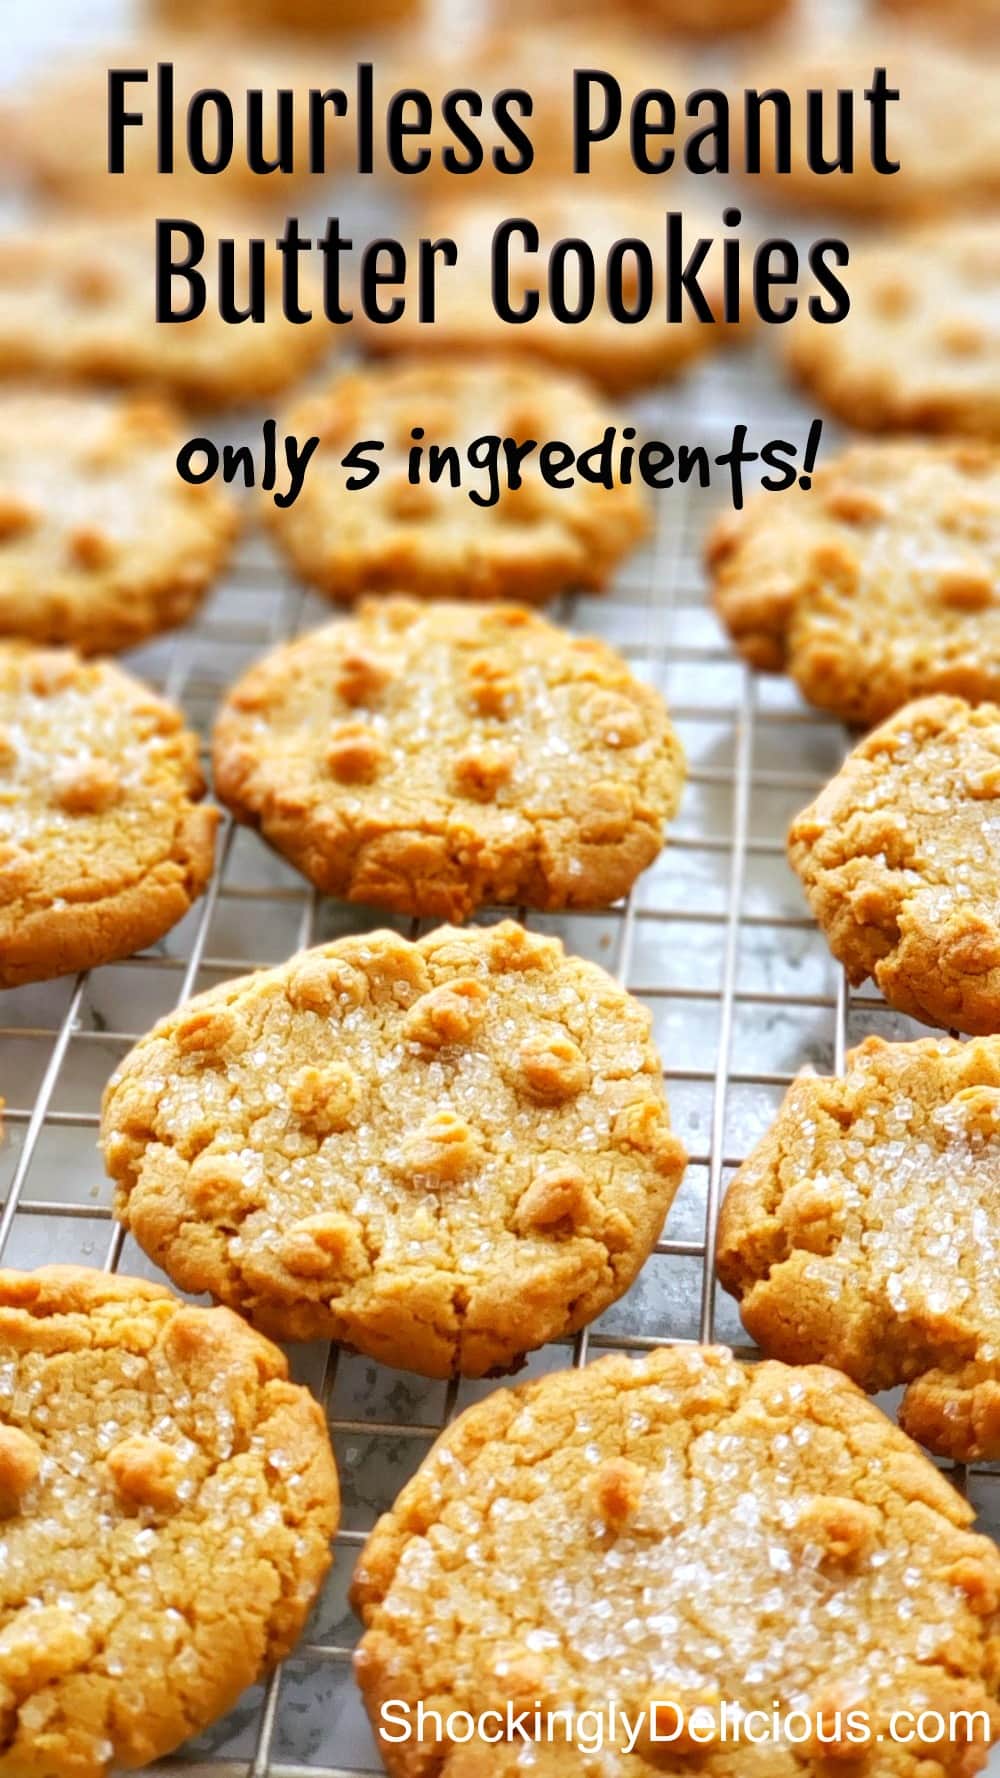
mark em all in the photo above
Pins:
pixel 920 349
pixel 167 1501
pixel 101 543
pixel 613 353
pixel 77 304
pixel 104 840
pixel 443 1153
pixel 431 539
pixel 435 758
pixel 675 1532
pixel 944 131
pixel 898 858
pixel 863 1232
pixel 879 584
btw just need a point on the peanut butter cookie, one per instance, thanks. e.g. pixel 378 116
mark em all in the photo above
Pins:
pixel 977 21
pixel 695 1540
pixel 77 303
pixel 432 759
pixel 617 354
pixel 318 17
pixel 101 543
pixel 442 1153
pixel 944 130
pixel 103 842
pixel 709 17
pixel 920 349
pixel 168 1500
pixel 878 584
pixel 898 858
pixel 431 539
pixel 864 1231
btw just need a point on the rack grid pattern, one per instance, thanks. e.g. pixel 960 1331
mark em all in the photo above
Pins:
pixel 715 939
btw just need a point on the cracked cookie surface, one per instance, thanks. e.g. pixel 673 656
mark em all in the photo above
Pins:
pixel 104 843
pixel 432 759
pixel 864 1231
pixel 688 1530
pixel 878 584
pixel 167 1502
pixel 101 544
pixel 442 1153
pixel 79 307
pixel 920 349
pixel 898 856
pixel 431 540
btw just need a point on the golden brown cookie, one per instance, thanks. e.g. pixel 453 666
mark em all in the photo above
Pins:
pixel 617 354
pixel 944 130
pixel 433 759
pixel 101 543
pixel 977 21
pixel 443 1153
pixel 878 584
pixel 863 1232
pixel 56 132
pixel 675 1532
pixel 167 1501
pixel 898 856
pixel 104 843
pixel 920 349
pixel 431 539
pixel 709 18
pixel 78 303
pixel 318 17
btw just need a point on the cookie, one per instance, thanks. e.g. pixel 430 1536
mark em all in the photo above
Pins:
pixel 318 17
pixel 944 130
pixel 863 1232
pixel 616 354
pixel 898 859
pixel 56 132
pixel 442 1153
pixel 77 303
pixel 978 21
pixel 711 18
pixel 101 543
pixel 432 539
pixel 433 759
pixel 168 1500
pixel 104 843
pixel 668 1533
pixel 920 349
pixel 879 584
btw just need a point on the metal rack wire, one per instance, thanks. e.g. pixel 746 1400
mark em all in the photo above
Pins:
pixel 715 939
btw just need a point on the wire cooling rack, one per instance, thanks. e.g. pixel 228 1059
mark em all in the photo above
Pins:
pixel 715 939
